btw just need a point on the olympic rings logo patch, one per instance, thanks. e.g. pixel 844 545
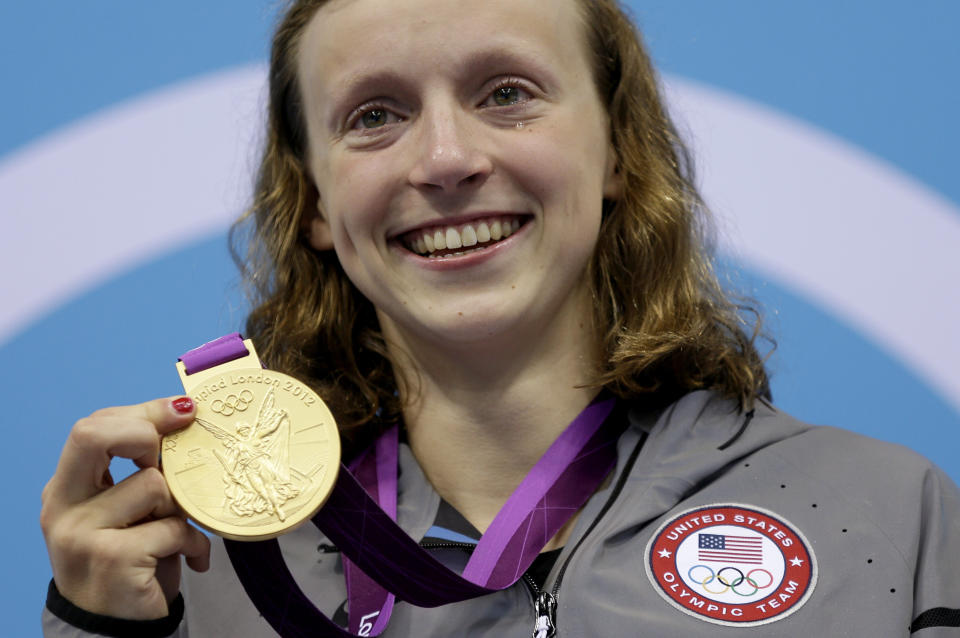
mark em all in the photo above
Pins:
pixel 729 582
pixel 731 564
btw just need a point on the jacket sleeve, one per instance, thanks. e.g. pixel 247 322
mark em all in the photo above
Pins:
pixel 936 601
pixel 63 619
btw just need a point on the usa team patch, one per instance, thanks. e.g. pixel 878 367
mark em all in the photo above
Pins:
pixel 732 564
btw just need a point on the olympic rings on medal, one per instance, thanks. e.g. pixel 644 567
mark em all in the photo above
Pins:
pixel 729 585
pixel 233 403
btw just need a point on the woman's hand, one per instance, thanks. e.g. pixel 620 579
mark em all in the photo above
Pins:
pixel 115 549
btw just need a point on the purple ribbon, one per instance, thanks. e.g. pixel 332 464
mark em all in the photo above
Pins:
pixel 213 353
pixel 371 605
pixel 556 487
pixel 389 560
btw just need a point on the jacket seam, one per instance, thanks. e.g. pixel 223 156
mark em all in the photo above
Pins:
pixel 840 494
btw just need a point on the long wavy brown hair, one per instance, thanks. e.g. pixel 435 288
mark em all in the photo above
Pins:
pixel 666 325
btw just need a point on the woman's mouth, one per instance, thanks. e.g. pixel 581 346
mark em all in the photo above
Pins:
pixel 437 242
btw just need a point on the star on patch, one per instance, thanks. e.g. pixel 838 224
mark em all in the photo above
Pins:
pixel 796 562
pixel 664 553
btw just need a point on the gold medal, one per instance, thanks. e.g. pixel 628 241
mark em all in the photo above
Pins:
pixel 260 458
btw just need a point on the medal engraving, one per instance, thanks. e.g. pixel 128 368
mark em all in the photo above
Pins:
pixel 256 460
pixel 260 457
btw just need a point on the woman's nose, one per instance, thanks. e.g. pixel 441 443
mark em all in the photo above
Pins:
pixel 449 153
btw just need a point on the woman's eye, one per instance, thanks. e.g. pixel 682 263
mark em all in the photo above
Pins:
pixel 507 96
pixel 374 118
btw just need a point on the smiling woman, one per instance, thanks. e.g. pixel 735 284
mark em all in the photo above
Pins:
pixel 475 236
pixel 451 158
pixel 450 163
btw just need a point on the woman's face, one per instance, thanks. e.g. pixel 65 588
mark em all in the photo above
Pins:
pixel 462 155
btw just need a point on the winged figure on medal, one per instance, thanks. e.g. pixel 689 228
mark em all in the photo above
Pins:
pixel 256 461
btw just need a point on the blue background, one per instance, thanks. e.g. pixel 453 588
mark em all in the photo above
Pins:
pixel 880 74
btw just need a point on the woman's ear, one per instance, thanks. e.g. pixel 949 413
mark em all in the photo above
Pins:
pixel 316 230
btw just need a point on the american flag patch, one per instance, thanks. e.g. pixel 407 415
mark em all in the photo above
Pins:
pixel 724 548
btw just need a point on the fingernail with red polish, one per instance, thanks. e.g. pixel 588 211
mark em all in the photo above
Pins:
pixel 183 405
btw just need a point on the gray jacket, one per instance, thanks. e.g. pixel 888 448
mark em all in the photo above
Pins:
pixel 873 528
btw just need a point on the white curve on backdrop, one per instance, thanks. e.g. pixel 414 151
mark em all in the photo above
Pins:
pixel 124 186
pixel 849 232
pixel 139 180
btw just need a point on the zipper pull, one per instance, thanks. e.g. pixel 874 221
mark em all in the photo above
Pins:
pixel 546 610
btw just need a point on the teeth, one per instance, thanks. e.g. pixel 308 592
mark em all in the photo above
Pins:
pixel 468 235
pixel 453 238
pixel 483 232
pixel 459 253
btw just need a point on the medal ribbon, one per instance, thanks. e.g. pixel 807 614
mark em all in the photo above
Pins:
pixel 376 470
pixel 569 472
